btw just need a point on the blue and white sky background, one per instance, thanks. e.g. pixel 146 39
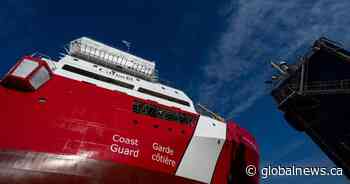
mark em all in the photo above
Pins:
pixel 218 52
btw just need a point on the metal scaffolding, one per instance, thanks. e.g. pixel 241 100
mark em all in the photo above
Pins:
pixel 324 87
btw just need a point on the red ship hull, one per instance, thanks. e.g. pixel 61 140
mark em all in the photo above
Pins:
pixel 31 167
pixel 75 132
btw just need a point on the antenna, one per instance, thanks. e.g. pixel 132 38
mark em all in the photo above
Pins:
pixel 66 49
pixel 127 44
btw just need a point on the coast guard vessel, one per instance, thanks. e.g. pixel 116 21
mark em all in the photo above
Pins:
pixel 100 115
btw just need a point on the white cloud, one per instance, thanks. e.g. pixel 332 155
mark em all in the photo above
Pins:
pixel 258 31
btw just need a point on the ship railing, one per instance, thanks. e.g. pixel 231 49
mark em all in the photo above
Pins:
pixel 204 111
pixel 325 87
pixel 48 59
pixel 311 88
pixel 80 49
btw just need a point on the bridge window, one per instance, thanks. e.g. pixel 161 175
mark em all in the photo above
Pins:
pixel 165 97
pixel 97 76
pixel 161 113
pixel 25 68
pixel 40 77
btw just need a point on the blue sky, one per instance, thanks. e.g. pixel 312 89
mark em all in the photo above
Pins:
pixel 216 51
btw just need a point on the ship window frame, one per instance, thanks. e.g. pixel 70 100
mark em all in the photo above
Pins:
pixel 96 76
pixel 92 51
pixel 158 112
pixel 25 68
pixel 96 53
pixel 119 60
pixel 40 77
pixel 114 59
pixel 163 96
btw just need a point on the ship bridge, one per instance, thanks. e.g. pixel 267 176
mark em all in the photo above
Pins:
pixel 110 68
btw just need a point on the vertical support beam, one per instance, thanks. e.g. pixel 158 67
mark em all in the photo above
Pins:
pixel 301 87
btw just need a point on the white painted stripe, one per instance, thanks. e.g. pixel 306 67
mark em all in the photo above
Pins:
pixel 203 151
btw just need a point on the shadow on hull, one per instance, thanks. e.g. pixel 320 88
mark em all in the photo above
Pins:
pixel 41 168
